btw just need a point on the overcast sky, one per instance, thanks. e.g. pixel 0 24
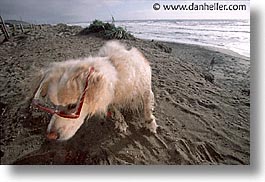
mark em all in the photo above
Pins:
pixel 67 11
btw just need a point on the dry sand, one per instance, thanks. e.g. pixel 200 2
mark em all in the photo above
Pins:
pixel 202 120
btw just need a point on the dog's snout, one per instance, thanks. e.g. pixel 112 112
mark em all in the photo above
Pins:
pixel 53 135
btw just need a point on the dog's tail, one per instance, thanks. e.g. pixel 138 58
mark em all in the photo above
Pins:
pixel 110 48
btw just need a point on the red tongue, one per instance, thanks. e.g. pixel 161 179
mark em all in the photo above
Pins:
pixel 109 114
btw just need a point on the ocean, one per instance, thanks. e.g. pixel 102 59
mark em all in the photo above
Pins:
pixel 233 35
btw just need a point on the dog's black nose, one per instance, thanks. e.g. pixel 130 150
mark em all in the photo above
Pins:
pixel 53 135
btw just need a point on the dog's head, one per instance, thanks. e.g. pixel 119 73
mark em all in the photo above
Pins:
pixel 69 91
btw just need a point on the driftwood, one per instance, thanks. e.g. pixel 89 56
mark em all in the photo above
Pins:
pixel 21 27
pixel 16 28
pixel 4 29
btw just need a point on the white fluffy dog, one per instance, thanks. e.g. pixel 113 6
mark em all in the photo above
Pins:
pixel 117 78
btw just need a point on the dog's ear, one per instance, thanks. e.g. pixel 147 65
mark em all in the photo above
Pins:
pixel 37 83
pixel 42 84
pixel 79 73
pixel 82 74
pixel 44 88
pixel 96 77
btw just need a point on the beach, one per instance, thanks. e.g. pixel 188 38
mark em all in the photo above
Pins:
pixel 202 109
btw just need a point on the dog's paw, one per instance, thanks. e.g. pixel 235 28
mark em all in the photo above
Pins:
pixel 151 125
pixel 121 126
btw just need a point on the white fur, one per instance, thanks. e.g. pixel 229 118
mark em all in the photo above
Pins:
pixel 122 79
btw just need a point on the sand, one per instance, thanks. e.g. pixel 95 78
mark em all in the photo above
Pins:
pixel 203 112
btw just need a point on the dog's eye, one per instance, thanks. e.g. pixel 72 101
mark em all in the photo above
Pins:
pixel 71 106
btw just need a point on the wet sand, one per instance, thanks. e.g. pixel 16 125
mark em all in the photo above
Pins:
pixel 203 111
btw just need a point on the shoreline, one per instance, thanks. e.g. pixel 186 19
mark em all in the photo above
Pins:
pixel 228 52
pixel 210 48
pixel 199 42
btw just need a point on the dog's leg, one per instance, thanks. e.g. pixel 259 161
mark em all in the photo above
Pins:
pixel 150 121
pixel 118 118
